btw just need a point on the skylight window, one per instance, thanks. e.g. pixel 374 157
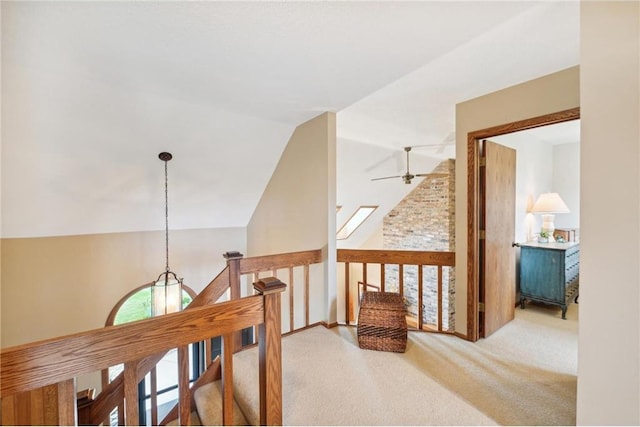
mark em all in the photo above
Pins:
pixel 354 222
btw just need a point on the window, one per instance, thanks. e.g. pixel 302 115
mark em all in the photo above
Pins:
pixel 354 222
pixel 136 305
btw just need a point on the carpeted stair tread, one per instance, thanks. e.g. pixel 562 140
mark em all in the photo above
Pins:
pixel 208 400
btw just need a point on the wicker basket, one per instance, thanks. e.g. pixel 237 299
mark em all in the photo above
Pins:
pixel 382 322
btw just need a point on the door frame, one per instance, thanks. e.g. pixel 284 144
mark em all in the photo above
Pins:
pixel 473 201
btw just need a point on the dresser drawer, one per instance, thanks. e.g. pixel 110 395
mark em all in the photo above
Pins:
pixel 549 272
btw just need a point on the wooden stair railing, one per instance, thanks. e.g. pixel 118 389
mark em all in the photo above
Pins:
pixel 56 362
pixel 112 394
pixel 237 267
pixel 402 258
pixel 271 264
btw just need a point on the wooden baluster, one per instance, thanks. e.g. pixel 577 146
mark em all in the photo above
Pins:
pixel 50 397
pixel 37 406
pixel 256 329
pixel 227 379
pixel 420 278
pixel 154 396
pixel 348 304
pixel 67 403
pixel 364 276
pixel 306 294
pixel 131 393
pixel 401 279
pixel 270 352
pixel 364 286
pixel 291 301
pixel 121 414
pixel 41 406
pixel 9 410
pixel 208 352
pixel 382 277
pixel 184 393
pixel 439 298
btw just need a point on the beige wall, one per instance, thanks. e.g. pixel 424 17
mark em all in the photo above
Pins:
pixel 54 286
pixel 556 92
pixel 609 334
pixel 297 209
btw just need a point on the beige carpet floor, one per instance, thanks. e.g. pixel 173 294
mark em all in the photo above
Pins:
pixel 524 374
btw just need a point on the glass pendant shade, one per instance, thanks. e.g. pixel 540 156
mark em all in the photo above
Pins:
pixel 166 294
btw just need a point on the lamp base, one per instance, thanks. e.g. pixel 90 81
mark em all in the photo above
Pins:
pixel 548 226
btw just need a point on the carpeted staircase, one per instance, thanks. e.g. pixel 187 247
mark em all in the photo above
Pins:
pixel 208 400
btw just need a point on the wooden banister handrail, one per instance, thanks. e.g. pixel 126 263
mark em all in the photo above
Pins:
pixel 401 258
pixel 213 291
pixel 376 256
pixel 30 366
pixel 279 261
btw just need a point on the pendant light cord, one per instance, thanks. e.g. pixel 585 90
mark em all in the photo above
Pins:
pixel 166 214
pixel 165 157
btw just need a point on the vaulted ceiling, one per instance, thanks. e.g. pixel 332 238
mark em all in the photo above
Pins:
pixel 93 91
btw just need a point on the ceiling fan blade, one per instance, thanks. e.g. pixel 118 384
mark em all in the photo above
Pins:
pixel 427 145
pixel 386 177
pixel 433 174
pixel 449 140
pixel 396 157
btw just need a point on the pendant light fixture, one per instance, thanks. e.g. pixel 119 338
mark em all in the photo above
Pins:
pixel 166 293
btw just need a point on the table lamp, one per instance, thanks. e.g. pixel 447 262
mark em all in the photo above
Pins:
pixel 549 204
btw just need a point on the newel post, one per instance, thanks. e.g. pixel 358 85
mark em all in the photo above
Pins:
pixel 270 352
pixel 233 262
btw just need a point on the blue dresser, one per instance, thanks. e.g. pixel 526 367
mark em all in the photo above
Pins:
pixel 549 273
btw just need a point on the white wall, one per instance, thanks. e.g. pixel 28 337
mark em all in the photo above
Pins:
pixel 609 334
pixel 566 182
pixel 540 168
pixel 54 286
pixel 297 211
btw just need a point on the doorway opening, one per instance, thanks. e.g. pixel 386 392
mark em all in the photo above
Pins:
pixel 474 208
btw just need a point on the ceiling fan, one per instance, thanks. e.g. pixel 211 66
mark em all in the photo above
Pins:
pixel 408 176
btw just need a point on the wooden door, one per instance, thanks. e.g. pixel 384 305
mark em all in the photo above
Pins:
pixel 497 219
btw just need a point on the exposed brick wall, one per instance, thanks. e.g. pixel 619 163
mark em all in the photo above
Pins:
pixel 425 220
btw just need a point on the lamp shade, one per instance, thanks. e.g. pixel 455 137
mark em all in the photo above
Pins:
pixel 549 203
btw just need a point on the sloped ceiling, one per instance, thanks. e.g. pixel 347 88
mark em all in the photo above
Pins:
pixel 93 91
